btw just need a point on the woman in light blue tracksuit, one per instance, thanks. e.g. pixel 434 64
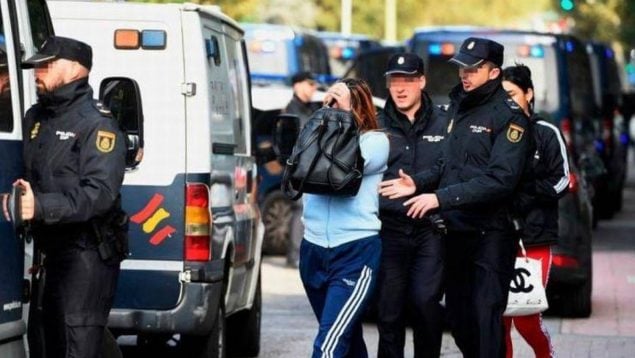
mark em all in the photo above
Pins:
pixel 340 252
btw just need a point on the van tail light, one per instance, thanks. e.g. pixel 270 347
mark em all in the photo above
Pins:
pixel 565 126
pixel 197 223
pixel 565 261
pixel 573 183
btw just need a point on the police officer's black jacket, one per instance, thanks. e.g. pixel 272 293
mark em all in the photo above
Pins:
pixel 483 159
pixel 74 156
pixel 548 180
pixel 414 147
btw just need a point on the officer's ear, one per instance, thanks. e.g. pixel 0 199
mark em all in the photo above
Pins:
pixel 422 85
pixel 494 72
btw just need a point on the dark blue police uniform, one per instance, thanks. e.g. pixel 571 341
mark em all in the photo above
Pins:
pixel 75 160
pixel 411 270
pixel 483 160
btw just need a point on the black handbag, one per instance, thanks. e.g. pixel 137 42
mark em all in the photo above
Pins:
pixel 326 158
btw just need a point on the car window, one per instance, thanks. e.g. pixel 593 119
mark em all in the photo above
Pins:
pixel 40 24
pixel 580 80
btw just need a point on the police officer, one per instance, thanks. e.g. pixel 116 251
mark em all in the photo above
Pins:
pixel 411 270
pixel 483 159
pixel 304 87
pixel 75 159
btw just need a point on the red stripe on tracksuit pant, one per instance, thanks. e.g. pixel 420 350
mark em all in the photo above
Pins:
pixel 531 327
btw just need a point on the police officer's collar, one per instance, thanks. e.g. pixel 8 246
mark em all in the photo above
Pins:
pixel 398 119
pixel 61 99
pixel 478 96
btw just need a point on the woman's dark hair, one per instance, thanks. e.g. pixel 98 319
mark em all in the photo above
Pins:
pixel 520 75
pixel 362 104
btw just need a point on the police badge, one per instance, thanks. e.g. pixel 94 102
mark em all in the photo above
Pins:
pixel 105 141
pixel 515 133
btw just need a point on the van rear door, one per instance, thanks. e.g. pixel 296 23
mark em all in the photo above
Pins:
pixel 153 192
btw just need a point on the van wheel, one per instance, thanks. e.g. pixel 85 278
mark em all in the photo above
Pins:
pixel 244 329
pixel 276 217
pixel 211 346
pixel 576 301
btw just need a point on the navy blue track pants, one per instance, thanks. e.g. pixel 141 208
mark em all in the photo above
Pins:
pixel 339 282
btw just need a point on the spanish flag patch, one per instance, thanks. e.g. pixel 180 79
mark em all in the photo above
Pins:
pixel 105 141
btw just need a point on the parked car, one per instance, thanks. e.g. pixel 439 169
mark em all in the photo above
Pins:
pixel 564 95
pixel 277 52
pixel 561 73
pixel 268 102
pixel 571 279
pixel 607 88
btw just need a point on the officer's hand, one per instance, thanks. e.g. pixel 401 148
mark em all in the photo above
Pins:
pixel 398 188
pixel 421 204
pixel 28 199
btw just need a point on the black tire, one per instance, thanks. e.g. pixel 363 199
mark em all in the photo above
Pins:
pixel 276 217
pixel 212 345
pixel 243 329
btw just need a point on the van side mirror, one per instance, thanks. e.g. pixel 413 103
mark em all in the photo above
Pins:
pixel 285 134
pixel 122 96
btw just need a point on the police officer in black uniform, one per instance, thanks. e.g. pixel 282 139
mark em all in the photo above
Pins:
pixel 74 155
pixel 411 270
pixel 483 160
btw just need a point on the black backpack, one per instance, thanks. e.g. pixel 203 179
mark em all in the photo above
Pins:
pixel 326 158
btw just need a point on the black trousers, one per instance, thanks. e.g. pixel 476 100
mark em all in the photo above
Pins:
pixel 479 268
pixel 77 296
pixel 411 276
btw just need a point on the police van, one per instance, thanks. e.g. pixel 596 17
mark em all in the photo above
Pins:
pixel 23 27
pixel 175 76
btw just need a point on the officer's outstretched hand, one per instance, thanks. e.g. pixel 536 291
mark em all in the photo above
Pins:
pixel 28 199
pixel 398 188
pixel 421 204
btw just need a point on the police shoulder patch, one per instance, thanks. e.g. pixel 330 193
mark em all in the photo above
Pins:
pixel 515 133
pixel 105 141
pixel 513 106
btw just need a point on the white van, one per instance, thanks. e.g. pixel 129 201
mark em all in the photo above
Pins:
pixel 175 76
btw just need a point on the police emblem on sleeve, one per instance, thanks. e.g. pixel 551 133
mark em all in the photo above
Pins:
pixel 515 133
pixel 105 141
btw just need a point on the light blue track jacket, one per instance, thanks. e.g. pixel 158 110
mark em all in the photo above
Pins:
pixel 331 221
